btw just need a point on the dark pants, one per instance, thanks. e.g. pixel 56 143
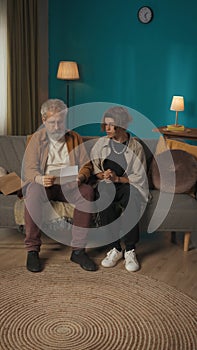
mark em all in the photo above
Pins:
pixel 37 195
pixel 123 213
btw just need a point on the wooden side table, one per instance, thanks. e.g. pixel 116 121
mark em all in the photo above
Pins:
pixel 188 133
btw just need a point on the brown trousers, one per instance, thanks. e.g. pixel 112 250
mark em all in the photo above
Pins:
pixel 82 197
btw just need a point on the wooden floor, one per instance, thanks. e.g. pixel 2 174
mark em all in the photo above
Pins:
pixel 159 258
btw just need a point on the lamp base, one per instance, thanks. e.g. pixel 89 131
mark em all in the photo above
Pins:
pixel 175 127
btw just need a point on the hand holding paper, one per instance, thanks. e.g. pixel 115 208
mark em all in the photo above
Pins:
pixel 65 174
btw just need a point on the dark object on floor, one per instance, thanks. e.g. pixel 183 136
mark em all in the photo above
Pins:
pixel 80 257
pixel 33 262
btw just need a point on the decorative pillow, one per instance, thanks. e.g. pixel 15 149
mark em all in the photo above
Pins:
pixel 182 166
pixel 173 144
pixel 2 171
pixel 161 146
pixel 164 144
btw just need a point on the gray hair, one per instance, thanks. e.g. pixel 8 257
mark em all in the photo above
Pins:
pixel 120 115
pixel 54 106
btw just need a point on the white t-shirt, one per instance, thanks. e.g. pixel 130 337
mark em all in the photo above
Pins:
pixel 58 156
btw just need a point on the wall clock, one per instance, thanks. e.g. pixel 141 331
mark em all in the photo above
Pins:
pixel 145 14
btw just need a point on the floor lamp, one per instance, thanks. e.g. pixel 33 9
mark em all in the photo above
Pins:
pixel 68 70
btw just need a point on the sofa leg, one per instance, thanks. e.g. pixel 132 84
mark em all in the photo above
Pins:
pixel 187 236
pixel 173 237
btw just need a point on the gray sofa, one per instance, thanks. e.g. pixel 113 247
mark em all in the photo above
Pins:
pixel 11 155
pixel 180 218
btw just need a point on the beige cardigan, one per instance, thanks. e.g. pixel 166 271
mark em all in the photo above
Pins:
pixel 135 158
pixel 35 158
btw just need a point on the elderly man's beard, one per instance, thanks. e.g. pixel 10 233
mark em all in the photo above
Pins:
pixel 57 136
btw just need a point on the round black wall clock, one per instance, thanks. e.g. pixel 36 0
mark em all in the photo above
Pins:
pixel 145 14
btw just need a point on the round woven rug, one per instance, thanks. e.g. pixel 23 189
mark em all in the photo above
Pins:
pixel 65 307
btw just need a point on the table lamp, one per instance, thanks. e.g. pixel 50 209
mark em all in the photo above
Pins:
pixel 68 70
pixel 177 105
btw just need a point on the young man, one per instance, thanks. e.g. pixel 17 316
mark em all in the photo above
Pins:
pixel 55 146
pixel 119 164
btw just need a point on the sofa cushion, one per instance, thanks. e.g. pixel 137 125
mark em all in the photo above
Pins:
pixel 174 171
pixel 174 144
pixel 165 144
pixel 180 217
pixel 51 211
pixel 12 149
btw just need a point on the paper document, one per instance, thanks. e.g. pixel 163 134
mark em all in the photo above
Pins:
pixel 65 174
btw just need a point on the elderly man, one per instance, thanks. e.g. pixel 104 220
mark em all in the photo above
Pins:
pixel 53 146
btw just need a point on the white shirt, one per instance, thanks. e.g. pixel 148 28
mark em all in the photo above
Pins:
pixel 58 156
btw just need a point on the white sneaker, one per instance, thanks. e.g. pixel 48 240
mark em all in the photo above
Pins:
pixel 113 256
pixel 131 263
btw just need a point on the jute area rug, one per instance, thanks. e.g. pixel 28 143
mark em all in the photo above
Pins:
pixel 65 307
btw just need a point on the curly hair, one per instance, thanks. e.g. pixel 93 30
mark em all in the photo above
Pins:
pixel 119 114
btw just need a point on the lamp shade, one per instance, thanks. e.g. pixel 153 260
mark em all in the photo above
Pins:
pixel 68 70
pixel 177 103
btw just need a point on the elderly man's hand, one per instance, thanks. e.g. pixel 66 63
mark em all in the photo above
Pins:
pixel 48 180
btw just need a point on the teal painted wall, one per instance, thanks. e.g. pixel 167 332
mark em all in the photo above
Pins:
pixel 123 61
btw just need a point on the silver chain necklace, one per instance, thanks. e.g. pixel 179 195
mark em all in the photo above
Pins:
pixel 115 151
